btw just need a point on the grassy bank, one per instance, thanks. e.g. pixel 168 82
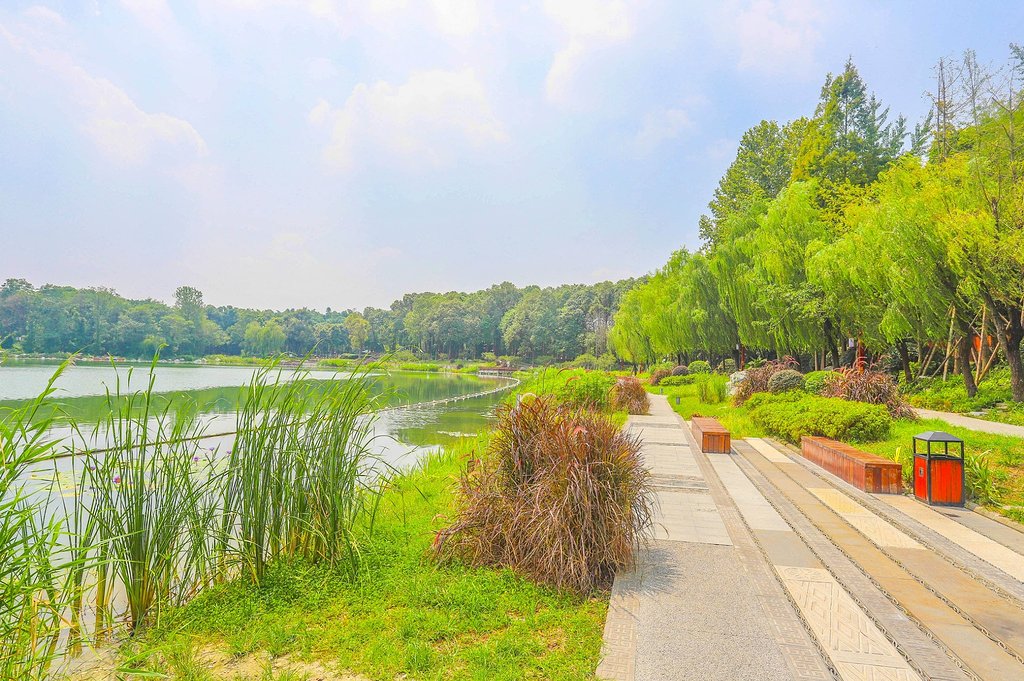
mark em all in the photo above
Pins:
pixel 402 615
pixel 999 459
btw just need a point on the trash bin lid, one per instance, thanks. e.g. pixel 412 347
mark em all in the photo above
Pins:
pixel 937 436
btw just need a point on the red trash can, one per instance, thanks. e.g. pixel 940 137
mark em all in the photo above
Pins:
pixel 939 476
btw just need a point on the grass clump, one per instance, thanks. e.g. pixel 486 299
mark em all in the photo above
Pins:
pixel 758 378
pixel 711 388
pixel 560 496
pixel 628 395
pixel 791 415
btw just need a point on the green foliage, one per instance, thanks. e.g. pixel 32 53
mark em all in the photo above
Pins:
pixel 787 379
pixel 727 366
pixel 677 380
pixel 815 381
pixel 585 389
pixel 793 414
pixel 699 367
pixel 561 496
pixel 711 388
pixel 981 479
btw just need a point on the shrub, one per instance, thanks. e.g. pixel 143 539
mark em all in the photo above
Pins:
pixel 584 389
pixel 674 381
pixel 711 388
pixel 561 497
pixel 680 370
pixel 658 374
pixel 873 387
pixel 699 366
pixel 815 381
pixel 981 483
pixel 628 394
pixel 585 361
pixel 793 414
pixel 728 366
pixel 756 379
pixel 787 379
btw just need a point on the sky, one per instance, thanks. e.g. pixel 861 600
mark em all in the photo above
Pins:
pixel 325 153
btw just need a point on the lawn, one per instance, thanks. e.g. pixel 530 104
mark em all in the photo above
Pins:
pixel 403 616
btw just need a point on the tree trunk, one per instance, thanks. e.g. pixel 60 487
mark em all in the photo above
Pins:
pixel 1008 322
pixel 901 347
pixel 963 350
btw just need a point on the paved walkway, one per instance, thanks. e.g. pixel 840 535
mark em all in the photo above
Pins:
pixel 971 423
pixel 764 566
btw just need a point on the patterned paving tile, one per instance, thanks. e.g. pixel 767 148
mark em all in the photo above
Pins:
pixel 853 642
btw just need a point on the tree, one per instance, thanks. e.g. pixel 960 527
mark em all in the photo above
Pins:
pixel 358 330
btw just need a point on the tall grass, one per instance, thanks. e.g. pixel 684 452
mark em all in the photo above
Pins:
pixel 299 473
pixel 154 517
pixel 34 589
pixel 711 388
pixel 150 500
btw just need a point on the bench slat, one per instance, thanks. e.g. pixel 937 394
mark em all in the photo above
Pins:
pixel 865 471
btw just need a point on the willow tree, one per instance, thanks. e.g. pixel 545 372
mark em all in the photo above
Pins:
pixel 888 274
pixel 762 274
pixel 628 338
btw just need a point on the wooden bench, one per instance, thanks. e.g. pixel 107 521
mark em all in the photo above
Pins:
pixel 710 434
pixel 862 470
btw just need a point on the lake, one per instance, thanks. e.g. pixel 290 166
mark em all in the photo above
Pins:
pixel 428 410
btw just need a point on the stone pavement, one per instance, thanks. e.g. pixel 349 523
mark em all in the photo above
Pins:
pixel 971 423
pixel 764 566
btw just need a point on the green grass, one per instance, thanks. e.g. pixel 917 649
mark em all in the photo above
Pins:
pixel 1004 454
pixel 736 419
pixel 401 615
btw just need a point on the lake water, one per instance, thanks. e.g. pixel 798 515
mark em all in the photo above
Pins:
pixel 428 409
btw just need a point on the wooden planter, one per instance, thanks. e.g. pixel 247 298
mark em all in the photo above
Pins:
pixel 862 470
pixel 712 437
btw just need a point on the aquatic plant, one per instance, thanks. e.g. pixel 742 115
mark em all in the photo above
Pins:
pixel 34 589
pixel 298 475
pixel 148 502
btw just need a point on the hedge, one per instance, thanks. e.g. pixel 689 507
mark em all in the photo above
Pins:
pixel 790 415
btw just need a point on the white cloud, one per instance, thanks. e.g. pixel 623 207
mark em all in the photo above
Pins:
pixel 107 114
pixel 424 121
pixel 588 25
pixel 46 15
pixel 662 126
pixel 456 17
pixel 776 35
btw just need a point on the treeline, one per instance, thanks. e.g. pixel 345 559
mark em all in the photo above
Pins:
pixel 845 236
pixel 537 324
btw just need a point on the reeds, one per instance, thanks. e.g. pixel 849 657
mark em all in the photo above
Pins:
pixel 155 517
pixel 299 473
pixel 560 496
pixel 34 591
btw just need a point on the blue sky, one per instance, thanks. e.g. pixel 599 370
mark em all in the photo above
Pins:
pixel 288 153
